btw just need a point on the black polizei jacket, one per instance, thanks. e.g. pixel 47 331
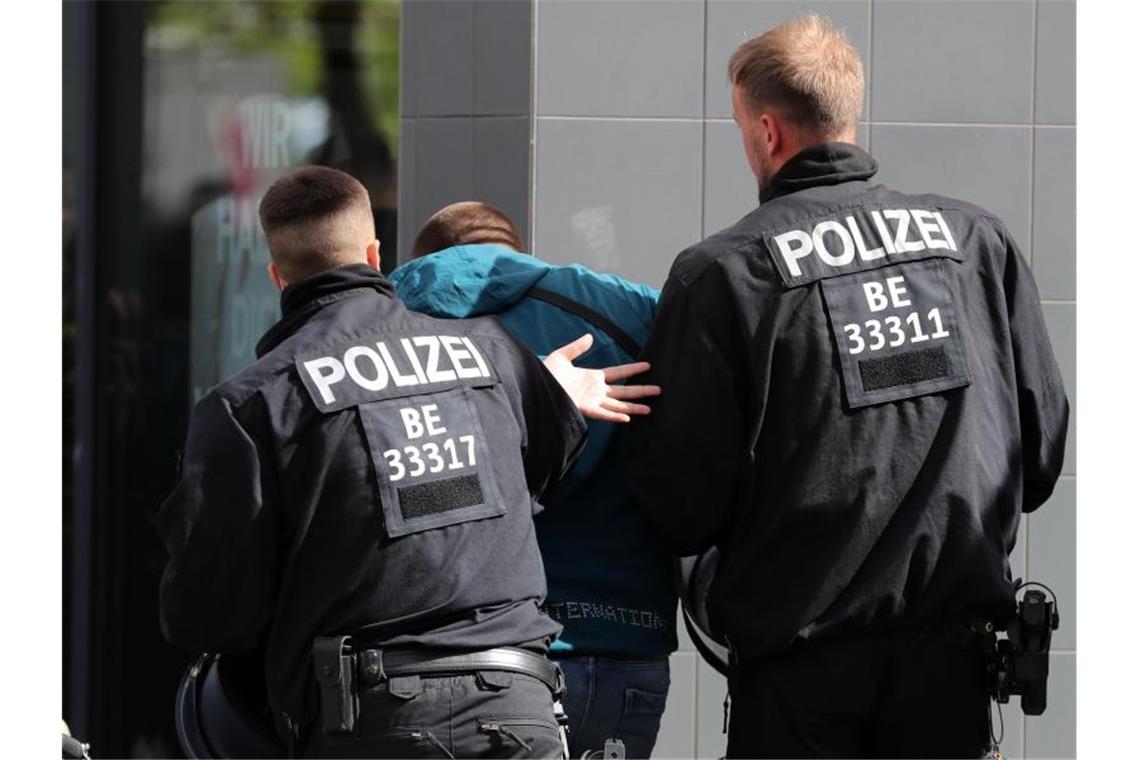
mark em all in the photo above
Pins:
pixel 859 401
pixel 374 472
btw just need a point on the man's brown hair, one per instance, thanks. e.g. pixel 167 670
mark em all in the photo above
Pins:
pixel 316 218
pixel 807 70
pixel 466 223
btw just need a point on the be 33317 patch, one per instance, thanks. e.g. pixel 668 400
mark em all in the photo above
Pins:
pixel 897 332
pixel 431 461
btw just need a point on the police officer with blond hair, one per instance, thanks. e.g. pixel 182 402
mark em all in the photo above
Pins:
pixel 355 508
pixel 860 400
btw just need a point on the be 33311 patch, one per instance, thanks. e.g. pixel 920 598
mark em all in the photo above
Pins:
pixel 897 332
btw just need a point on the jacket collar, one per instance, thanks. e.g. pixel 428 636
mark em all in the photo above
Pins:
pixel 824 164
pixel 301 300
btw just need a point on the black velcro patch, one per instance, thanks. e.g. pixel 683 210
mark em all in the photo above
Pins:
pixel 439 496
pixel 904 369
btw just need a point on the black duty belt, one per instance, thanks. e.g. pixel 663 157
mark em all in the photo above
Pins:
pixel 375 665
pixel 341 668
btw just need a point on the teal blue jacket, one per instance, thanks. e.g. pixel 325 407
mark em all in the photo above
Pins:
pixel 608 579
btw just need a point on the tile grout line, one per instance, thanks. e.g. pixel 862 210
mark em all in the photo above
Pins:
pixel 727 120
pixel 952 124
pixel 474 70
pixel 480 116
pixel 474 100
pixel 696 712
pixel 532 147
pixel 1032 245
pixel 1032 132
pixel 704 131
pixel 579 117
pixel 868 75
pixel 971 124
pixel 401 169
pixel 696 704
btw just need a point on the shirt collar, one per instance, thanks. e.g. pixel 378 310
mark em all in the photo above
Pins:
pixel 824 164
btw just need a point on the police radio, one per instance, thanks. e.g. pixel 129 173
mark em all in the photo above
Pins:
pixel 1019 663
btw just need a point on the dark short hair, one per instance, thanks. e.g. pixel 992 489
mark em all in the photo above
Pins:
pixel 294 213
pixel 466 223
pixel 310 193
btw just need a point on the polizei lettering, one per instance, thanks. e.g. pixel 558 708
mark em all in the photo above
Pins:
pixel 390 367
pixel 858 240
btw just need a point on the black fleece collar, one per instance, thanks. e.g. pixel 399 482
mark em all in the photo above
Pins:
pixel 824 164
pixel 302 299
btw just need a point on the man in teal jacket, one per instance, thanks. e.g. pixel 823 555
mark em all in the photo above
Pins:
pixel 608 578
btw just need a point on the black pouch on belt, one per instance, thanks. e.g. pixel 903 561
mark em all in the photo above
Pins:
pixel 333 664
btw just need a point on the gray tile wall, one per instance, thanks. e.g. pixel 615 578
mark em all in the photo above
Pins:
pixel 635 156
pixel 465 109
pixel 628 193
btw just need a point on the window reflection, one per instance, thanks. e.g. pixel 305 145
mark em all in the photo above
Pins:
pixel 178 116
pixel 236 94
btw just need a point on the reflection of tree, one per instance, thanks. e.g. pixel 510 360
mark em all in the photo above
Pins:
pixel 346 50
pixel 354 145
pixel 131 389
pixel 286 31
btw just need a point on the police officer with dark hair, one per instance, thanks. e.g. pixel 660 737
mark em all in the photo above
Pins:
pixel 860 399
pixel 355 507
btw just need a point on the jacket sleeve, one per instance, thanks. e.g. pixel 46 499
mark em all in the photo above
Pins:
pixel 1042 406
pixel 685 456
pixel 555 429
pixel 219 529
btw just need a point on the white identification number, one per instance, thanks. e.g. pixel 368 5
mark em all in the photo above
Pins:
pixel 892 332
pixel 430 457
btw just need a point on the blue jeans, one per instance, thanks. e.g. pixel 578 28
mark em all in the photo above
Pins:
pixel 614 699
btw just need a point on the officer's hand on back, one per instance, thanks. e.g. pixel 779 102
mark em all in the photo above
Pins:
pixel 590 389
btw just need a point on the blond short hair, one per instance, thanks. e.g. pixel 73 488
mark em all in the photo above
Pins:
pixel 807 70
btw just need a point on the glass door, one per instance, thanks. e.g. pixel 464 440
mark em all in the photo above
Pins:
pixel 182 114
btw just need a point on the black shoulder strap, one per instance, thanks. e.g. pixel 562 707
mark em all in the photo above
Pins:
pixel 619 336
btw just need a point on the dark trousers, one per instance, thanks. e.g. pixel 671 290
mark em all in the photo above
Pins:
pixel 614 699
pixel 912 693
pixel 485 714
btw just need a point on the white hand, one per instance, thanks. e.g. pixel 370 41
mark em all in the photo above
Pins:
pixel 590 389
